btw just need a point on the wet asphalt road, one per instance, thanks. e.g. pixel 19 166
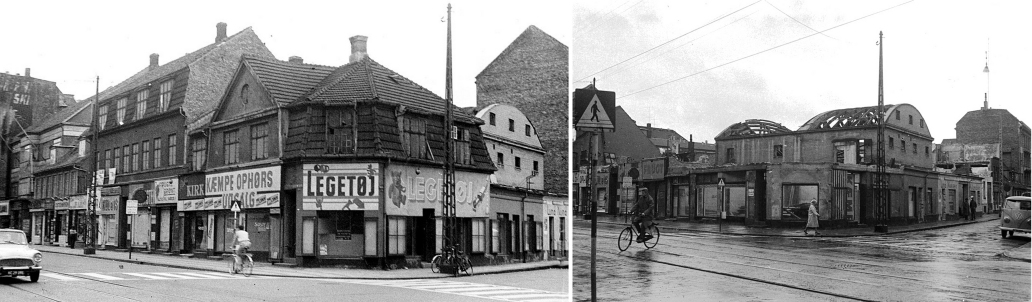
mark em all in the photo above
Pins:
pixel 952 264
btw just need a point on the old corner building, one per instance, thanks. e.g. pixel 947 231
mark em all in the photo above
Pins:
pixel 770 173
pixel 356 156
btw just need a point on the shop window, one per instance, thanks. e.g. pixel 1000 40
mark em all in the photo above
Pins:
pixel 478 236
pixel 795 201
pixel 340 131
pixel 397 231
pixel 370 241
pixel 413 136
pixel 308 235
pixel 540 233
pixel 493 233
pixel 231 147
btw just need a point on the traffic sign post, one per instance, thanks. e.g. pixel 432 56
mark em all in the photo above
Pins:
pixel 236 212
pixel 723 212
pixel 593 110
pixel 130 209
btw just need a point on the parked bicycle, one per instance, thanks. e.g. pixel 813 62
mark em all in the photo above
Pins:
pixel 453 256
pixel 628 235
pixel 245 266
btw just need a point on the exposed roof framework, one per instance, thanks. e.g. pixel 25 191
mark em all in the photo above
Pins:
pixel 846 118
pixel 752 128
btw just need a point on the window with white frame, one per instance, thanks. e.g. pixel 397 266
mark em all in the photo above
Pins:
pixel 146 155
pixel 141 104
pixel 396 235
pixel 157 152
pixel 120 110
pixel 172 150
pixel 231 147
pixel 478 235
pixel 259 141
pixel 539 236
pixel 166 95
pixel 199 147
pixel 494 236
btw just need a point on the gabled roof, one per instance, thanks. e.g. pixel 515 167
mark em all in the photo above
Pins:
pixel 286 81
pixel 367 80
pixel 530 41
pixel 74 114
pixel 198 100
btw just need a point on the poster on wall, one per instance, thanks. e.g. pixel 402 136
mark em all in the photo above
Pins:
pixel 166 191
pixel 412 189
pixel 341 187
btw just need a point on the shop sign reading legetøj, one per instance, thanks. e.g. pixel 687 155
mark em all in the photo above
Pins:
pixel 341 187
pixel 412 189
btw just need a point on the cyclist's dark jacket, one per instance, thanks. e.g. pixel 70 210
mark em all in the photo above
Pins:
pixel 643 204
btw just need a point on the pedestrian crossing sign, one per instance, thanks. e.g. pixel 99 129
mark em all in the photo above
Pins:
pixel 236 206
pixel 594 109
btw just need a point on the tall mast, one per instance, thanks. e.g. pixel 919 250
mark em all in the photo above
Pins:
pixel 451 235
pixel 880 179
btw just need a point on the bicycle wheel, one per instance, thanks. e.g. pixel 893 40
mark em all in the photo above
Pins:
pixel 248 266
pixel 232 265
pixel 435 264
pixel 625 239
pixel 466 266
pixel 651 243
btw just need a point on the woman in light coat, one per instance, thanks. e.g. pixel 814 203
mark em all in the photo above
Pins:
pixel 811 220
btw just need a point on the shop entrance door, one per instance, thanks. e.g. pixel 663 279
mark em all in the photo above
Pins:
pixel 424 240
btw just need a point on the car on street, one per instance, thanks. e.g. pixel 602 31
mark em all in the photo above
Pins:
pixel 1015 216
pixel 16 257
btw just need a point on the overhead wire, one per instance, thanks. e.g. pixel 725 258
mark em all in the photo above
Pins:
pixel 797 21
pixel 671 40
pixel 762 51
pixel 678 47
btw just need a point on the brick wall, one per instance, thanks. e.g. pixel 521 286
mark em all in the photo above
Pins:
pixel 532 75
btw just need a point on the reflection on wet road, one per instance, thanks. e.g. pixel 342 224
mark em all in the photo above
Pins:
pixel 951 264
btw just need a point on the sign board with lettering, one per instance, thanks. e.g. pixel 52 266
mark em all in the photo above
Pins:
pixel 131 206
pixel 248 186
pixel 108 205
pixel 411 189
pixel 653 169
pixel 352 187
pixel 78 202
pixel 166 191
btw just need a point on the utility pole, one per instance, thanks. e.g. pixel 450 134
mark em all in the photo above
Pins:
pixel 593 203
pixel 91 234
pixel 880 179
pixel 451 234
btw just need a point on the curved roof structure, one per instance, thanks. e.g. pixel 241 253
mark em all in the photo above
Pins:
pixel 753 127
pixel 846 118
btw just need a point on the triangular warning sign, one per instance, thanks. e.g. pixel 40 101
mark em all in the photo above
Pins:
pixel 595 116
pixel 236 206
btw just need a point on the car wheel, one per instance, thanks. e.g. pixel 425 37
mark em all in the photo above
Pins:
pixel 1003 234
pixel 1010 233
pixel 34 277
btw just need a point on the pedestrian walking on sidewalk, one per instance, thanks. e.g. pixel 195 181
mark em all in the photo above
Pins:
pixel 973 206
pixel 811 219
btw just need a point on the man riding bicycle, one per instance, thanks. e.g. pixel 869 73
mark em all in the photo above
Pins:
pixel 242 241
pixel 642 214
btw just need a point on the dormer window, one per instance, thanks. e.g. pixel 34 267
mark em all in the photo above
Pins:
pixel 141 104
pixel 102 116
pixel 340 131
pixel 166 95
pixel 120 111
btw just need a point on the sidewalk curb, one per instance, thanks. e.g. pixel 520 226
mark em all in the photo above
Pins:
pixel 804 236
pixel 1025 252
pixel 141 262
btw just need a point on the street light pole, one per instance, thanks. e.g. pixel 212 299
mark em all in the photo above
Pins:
pixel 91 234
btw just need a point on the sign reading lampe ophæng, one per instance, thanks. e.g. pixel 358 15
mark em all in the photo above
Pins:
pixel 345 187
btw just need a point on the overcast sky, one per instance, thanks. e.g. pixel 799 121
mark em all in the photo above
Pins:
pixel 934 56
pixel 72 42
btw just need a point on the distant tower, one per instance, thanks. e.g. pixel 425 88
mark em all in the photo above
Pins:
pixel 985 103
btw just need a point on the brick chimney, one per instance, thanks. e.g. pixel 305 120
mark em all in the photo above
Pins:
pixel 296 60
pixel 358 48
pixel 153 61
pixel 220 32
pixel 648 130
pixel 28 72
